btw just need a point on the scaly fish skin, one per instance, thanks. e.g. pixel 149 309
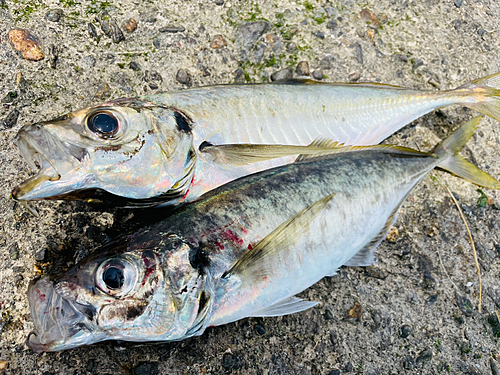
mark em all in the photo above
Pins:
pixel 152 155
pixel 244 249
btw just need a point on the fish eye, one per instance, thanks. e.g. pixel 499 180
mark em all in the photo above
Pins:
pixel 104 124
pixel 113 278
pixel 116 277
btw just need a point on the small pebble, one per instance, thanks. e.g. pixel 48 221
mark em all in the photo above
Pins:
pixel 334 372
pixel 54 15
pixel 332 25
pixel 459 3
pixel 53 57
pixel 355 311
pixel 260 329
pixel 320 35
pixel 117 34
pixel 11 95
pixel 228 361
pixel 172 29
pixel 4 365
pixel 26 43
pixel 302 69
pixel 152 76
pixel 14 251
pixel 40 255
pixel 291 47
pixel 376 273
pixel 183 77
pixel 133 65
pixel 153 86
pixel 250 32
pixel 370 17
pixel 218 42
pixel 157 43
pixel 239 75
pixel 93 31
pixel 424 355
pixel 355 76
pixel 359 52
pixel 317 74
pixel 416 63
pixel 329 315
pixel 130 25
pixel 405 330
pixel 409 363
pixel 219 2
pixel 11 119
pixel 283 74
pixel 146 368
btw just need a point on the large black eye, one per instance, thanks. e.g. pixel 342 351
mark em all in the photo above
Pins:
pixel 103 124
pixel 113 278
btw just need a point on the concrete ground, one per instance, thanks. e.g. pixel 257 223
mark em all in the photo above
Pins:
pixel 415 312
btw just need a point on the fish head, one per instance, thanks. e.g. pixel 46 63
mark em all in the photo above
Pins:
pixel 138 295
pixel 127 147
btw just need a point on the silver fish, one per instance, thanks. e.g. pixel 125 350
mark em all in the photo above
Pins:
pixel 244 249
pixel 173 147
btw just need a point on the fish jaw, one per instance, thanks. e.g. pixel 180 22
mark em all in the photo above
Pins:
pixel 59 165
pixel 60 323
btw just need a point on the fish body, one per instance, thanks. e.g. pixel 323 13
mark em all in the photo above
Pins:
pixel 244 249
pixel 173 147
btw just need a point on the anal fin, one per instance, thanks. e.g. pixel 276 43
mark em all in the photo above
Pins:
pixel 366 256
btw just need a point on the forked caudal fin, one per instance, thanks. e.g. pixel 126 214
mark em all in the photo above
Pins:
pixel 485 93
pixel 448 150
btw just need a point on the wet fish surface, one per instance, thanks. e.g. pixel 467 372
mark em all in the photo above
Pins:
pixel 242 250
pixel 173 147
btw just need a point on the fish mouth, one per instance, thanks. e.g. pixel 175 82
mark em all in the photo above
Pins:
pixel 59 322
pixel 53 160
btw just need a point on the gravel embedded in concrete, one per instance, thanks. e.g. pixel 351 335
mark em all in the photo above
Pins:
pixel 430 281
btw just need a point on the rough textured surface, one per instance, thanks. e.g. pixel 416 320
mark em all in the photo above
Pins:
pixel 416 314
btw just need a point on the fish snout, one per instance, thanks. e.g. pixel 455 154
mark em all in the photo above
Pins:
pixel 58 323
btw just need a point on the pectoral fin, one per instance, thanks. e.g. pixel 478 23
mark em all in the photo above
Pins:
pixel 243 154
pixel 288 306
pixel 260 260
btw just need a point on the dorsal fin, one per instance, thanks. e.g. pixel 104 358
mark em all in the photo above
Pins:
pixel 327 148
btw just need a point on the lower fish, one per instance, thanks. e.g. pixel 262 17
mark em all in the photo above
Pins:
pixel 172 147
pixel 242 250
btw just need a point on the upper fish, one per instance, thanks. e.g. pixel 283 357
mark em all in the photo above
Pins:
pixel 243 249
pixel 173 147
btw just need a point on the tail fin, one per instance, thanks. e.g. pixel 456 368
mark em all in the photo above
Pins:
pixel 485 95
pixel 448 150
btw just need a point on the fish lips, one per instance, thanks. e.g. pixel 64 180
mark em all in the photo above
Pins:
pixel 59 164
pixel 60 323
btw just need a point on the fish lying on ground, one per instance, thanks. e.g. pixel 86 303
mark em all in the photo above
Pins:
pixel 244 249
pixel 173 147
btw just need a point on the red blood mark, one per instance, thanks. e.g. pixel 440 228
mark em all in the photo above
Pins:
pixel 244 231
pixel 150 268
pixel 41 296
pixel 229 235
pixel 219 245
pixel 250 247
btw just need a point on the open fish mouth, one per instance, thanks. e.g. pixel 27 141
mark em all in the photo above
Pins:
pixel 51 158
pixel 59 323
